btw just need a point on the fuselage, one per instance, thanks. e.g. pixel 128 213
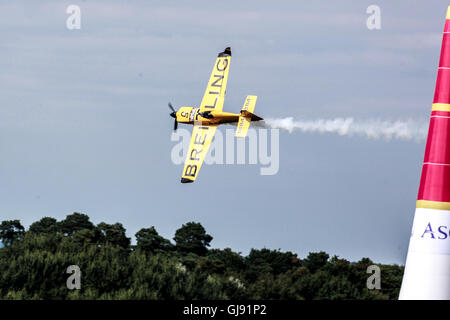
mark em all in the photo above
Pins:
pixel 191 115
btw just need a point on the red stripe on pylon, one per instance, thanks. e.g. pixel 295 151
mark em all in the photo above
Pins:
pixel 434 183
pixel 435 178
pixel 436 150
pixel 442 91
pixel 447 25
pixel 440 113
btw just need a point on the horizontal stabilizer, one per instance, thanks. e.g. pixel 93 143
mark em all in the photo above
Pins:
pixel 249 104
pixel 246 116
pixel 242 127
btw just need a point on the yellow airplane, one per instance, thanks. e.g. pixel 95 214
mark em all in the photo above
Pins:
pixel 209 115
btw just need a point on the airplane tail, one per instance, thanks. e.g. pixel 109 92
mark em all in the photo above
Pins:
pixel 246 116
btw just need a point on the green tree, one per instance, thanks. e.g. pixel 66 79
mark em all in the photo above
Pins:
pixel 391 278
pixel 269 261
pixel 33 266
pixel 11 231
pixel 233 261
pixel 192 237
pixel 44 226
pixel 315 260
pixel 149 240
pixel 75 222
pixel 113 234
pixel 86 236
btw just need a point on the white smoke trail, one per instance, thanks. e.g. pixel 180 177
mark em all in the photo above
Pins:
pixel 372 129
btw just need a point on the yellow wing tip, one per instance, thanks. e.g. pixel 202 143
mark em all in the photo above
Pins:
pixel 448 13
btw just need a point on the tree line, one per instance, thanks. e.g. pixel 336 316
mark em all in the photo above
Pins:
pixel 33 265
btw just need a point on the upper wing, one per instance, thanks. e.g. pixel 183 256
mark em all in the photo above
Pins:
pixel 200 141
pixel 215 91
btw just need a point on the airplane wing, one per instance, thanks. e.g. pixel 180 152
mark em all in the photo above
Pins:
pixel 200 141
pixel 215 91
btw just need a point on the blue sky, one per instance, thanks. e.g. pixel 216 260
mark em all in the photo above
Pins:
pixel 84 123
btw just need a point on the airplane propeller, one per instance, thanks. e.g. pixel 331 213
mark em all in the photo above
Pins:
pixel 173 115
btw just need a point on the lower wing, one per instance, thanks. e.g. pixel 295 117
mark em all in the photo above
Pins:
pixel 200 141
